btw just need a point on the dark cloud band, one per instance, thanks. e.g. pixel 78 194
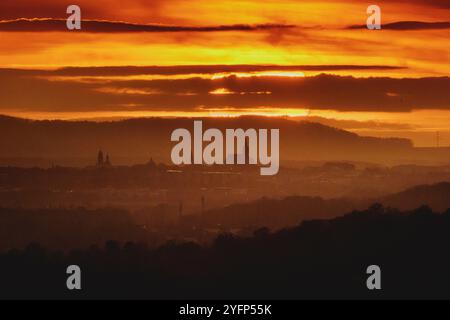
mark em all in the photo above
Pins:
pixel 319 92
pixel 409 25
pixel 185 70
pixel 98 26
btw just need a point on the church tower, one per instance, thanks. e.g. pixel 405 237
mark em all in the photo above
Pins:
pixel 100 160
pixel 107 162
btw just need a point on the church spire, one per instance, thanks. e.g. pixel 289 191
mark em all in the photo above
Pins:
pixel 100 160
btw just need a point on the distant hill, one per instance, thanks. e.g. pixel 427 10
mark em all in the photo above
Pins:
pixel 436 196
pixel 277 213
pixel 281 213
pixel 136 140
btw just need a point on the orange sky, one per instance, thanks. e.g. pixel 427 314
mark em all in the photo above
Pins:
pixel 300 33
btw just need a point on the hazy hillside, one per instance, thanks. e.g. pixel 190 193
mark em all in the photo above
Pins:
pixel 277 213
pixel 26 142
pixel 436 196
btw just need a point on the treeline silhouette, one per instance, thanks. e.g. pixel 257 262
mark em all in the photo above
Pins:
pixel 66 228
pixel 316 259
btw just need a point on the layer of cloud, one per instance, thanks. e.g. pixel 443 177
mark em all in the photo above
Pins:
pixel 184 70
pixel 410 25
pixel 13 9
pixel 100 26
pixel 361 125
pixel 103 26
pixel 156 9
pixel 323 92
pixel 444 4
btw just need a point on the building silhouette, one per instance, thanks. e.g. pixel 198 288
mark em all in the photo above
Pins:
pixel 103 161
pixel 107 162
pixel 100 158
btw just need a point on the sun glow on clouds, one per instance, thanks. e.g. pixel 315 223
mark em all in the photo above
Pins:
pixel 263 111
pixel 212 76
pixel 132 91
pixel 291 74
pixel 320 38
pixel 221 91
pixel 199 112
pixel 225 91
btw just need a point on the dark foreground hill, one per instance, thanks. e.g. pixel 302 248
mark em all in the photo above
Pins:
pixel 317 259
